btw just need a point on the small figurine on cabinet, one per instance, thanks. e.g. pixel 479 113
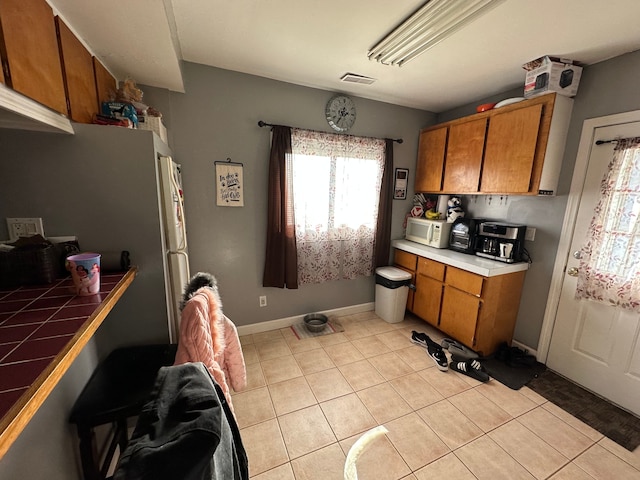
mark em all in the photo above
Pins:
pixel 454 209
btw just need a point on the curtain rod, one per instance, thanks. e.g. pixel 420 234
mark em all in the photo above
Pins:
pixel 265 124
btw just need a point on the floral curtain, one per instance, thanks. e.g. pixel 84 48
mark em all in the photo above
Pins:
pixel 610 266
pixel 336 186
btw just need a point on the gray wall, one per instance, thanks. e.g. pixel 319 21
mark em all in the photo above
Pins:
pixel 217 119
pixel 605 88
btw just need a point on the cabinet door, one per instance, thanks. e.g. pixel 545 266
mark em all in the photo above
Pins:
pixel 464 156
pixel 77 67
pixel 30 52
pixel 459 316
pixel 510 151
pixel 106 84
pixel 431 153
pixel 427 299
pixel 408 261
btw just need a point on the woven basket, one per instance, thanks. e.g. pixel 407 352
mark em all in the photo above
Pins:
pixel 29 265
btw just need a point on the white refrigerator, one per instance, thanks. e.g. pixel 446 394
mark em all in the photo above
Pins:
pixel 175 239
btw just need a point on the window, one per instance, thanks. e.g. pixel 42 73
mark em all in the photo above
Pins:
pixel 336 190
pixel 610 268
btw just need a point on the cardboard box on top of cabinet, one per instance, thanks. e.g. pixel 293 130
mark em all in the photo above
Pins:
pixel 551 74
pixel 148 122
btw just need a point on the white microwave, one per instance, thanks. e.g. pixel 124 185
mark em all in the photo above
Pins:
pixel 433 233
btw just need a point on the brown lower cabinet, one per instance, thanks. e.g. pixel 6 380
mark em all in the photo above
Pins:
pixel 478 311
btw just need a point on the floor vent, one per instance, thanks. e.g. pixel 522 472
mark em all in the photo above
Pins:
pixel 355 78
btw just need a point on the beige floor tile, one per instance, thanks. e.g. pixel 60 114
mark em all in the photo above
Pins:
pixel 416 391
pixel 283 472
pixel 361 375
pixel 571 472
pixel 291 395
pixel 557 433
pixel 255 377
pixel 390 365
pixel 379 460
pixel 601 463
pixel 384 403
pixel 328 384
pixel 343 353
pixel 416 357
pixel 376 326
pixel 370 346
pixel 280 369
pixel 453 428
pixel 409 477
pixel 447 383
pixel 264 446
pixel 632 458
pixel 250 354
pixel 487 461
pixel 511 401
pixel 272 349
pixel 246 340
pixel 288 333
pixel 357 331
pixel 313 361
pixel 447 467
pixel 533 396
pixel 303 345
pixel 267 336
pixel 415 441
pixel 394 339
pixel 253 406
pixel 332 339
pixel 579 425
pixel 305 430
pixel 347 416
pixel 324 464
pixel 529 450
pixel 480 410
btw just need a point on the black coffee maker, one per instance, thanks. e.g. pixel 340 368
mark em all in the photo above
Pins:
pixel 500 241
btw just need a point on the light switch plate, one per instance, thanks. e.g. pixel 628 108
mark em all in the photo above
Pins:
pixel 530 234
pixel 24 227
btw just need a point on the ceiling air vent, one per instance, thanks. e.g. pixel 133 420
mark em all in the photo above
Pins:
pixel 355 78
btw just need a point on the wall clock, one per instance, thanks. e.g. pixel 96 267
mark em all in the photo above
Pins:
pixel 341 112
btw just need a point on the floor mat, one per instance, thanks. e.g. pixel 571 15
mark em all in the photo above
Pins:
pixel 619 425
pixel 513 377
pixel 332 326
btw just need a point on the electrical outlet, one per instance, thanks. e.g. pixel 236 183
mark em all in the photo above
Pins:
pixel 24 227
pixel 530 234
pixel 263 300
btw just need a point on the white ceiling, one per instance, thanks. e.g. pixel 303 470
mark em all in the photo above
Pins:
pixel 314 43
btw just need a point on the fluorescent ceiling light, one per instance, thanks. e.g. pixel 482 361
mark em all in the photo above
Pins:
pixel 428 26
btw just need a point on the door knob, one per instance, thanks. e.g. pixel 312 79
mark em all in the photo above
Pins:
pixel 577 254
pixel 573 272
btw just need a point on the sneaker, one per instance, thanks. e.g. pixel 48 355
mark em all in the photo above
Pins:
pixel 457 349
pixel 419 338
pixel 470 367
pixel 434 350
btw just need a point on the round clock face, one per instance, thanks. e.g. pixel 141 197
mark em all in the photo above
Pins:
pixel 341 113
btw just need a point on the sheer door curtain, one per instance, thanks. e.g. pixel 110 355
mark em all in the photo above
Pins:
pixel 339 186
pixel 610 266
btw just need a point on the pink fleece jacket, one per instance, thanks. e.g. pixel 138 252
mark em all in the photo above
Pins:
pixel 208 336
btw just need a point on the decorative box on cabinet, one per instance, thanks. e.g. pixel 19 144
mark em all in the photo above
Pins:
pixel 77 68
pixel 516 149
pixel 29 51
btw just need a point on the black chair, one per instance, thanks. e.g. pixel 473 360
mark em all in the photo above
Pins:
pixel 117 390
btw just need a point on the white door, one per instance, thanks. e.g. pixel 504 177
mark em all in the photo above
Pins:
pixel 595 345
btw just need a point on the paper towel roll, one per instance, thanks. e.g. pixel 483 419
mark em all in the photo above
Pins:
pixel 442 205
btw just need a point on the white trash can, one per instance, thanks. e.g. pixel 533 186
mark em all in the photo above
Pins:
pixel 392 289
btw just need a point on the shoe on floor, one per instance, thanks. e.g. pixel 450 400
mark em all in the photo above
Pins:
pixel 434 350
pixel 458 349
pixel 470 367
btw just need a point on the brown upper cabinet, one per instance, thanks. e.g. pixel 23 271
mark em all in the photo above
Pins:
pixel 106 84
pixel 516 149
pixel 29 51
pixel 77 68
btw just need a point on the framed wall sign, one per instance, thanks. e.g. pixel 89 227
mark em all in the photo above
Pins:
pixel 401 180
pixel 229 189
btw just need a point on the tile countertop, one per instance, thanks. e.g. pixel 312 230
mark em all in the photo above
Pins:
pixel 470 263
pixel 42 330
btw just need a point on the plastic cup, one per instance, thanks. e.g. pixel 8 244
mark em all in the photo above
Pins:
pixel 85 272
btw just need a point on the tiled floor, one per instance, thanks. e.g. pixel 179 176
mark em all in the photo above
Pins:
pixel 308 401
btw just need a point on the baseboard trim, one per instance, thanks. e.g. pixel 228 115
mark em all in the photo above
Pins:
pixel 287 322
